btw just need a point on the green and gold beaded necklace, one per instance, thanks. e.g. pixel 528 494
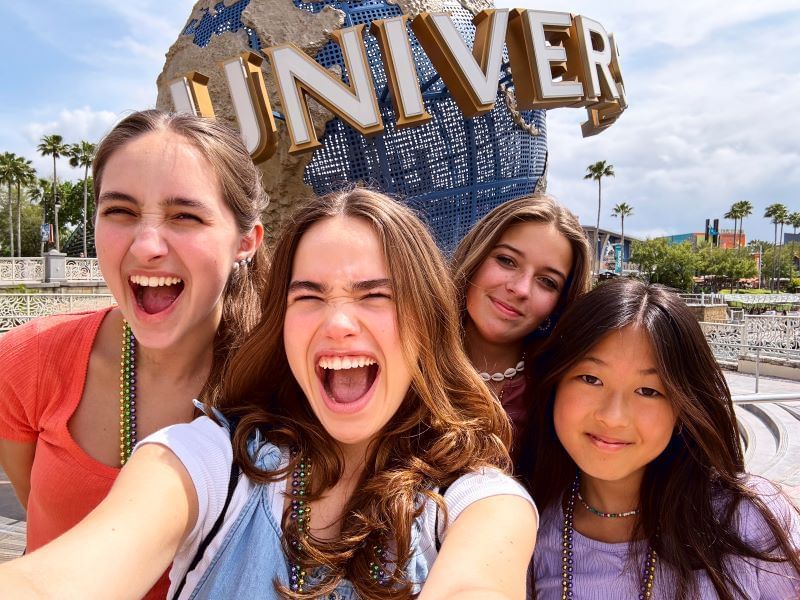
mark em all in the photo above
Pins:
pixel 127 394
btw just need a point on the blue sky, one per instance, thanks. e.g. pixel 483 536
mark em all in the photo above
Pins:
pixel 713 88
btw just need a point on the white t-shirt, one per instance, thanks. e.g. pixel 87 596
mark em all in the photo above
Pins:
pixel 205 450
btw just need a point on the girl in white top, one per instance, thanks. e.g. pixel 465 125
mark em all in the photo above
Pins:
pixel 355 409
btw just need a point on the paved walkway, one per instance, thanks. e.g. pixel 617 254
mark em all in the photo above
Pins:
pixel 12 524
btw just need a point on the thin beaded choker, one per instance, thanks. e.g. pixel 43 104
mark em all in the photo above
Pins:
pixel 300 513
pixel 606 515
pixel 127 394
pixel 568 555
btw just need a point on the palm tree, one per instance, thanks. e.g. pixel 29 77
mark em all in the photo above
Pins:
pixel 794 220
pixel 7 175
pixel 597 171
pixel 744 208
pixel 777 213
pixel 53 145
pixel 733 214
pixel 82 155
pixel 622 210
pixel 25 174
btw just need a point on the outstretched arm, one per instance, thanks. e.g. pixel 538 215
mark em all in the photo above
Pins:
pixel 122 547
pixel 486 552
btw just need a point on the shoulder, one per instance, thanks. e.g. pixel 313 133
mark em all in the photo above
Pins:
pixel 464 492
pixel 752 523
pixel 53 332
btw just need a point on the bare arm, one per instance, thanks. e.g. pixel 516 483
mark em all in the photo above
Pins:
pixel 486 552
pixel 16 458
pixel 122 547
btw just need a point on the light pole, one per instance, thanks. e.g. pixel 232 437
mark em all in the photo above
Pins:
pixel 57 205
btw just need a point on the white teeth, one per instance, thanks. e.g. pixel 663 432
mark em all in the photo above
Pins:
pixel 337 363
pixel 145 281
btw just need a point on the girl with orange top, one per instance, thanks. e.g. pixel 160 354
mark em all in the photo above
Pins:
pixel 178 238
pixel 517 269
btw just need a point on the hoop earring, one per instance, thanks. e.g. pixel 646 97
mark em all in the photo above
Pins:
pixel 544 328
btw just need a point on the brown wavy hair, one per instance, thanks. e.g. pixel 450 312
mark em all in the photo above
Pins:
pixel 243 194
pixel 448 424
pixel 484 235
pixel 691 492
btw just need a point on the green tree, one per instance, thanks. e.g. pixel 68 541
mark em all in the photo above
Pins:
pixel 53 145
pixel 24 174
pixel 733 215
pixel 82 155
pixel 597 171
pixel 622 210
pixel 672 265
pixel 725 266
pixel 744 208
pixel 777 213
pixel 7 175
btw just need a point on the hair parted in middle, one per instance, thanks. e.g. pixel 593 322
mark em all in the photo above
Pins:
pixel 690 492
pixel 242 193
pixel 475 247
pixel 447 425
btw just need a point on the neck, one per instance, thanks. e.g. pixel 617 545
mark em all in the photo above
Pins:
pixel 188 359
pixel 355 457
pixel 612 496
pixel 488 356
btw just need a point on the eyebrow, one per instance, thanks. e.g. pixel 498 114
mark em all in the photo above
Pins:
pixel 169 202
pixel 118 196
pixel 597 361
pixel 520 253
pixel 320 288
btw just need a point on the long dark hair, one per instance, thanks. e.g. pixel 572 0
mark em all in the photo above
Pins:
pixel 691 492
pixel 447 425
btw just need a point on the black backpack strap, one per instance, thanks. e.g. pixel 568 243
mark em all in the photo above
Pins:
pixel 437 541
pixel 234 478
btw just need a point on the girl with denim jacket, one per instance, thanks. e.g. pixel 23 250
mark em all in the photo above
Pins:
pixel 372 456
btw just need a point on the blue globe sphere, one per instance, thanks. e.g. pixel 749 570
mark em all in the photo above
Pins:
pixel 452 169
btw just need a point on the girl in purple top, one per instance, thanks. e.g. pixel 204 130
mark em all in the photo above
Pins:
pixel 515 271
pixel 636 465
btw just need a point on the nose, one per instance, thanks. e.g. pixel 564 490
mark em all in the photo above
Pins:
pixel 613 410
pixel 520 284
pixel 148 244
pixel 341 321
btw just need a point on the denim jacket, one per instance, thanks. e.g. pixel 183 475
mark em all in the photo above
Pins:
pixel 251 557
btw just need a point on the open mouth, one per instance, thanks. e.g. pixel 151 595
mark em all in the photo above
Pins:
pixel 155 294
pixel 347 379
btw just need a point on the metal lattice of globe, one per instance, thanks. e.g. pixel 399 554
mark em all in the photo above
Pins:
pixel 453 169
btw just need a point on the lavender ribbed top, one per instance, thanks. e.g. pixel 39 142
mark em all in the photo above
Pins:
pixel 602 570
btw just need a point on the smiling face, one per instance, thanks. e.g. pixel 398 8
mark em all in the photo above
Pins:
pixel 611 411
pixel 519 283
pixel 166 240
pixel 341 332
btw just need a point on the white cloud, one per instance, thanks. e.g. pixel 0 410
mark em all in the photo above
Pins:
pixel 74 125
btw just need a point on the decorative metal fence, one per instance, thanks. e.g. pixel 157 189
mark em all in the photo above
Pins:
pixel 769 336
pixel 16 309
pixel 83 269
pixel 32 270
pixel 21 270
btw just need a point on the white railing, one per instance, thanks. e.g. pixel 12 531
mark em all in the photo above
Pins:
pixel 21 270
pixel 771 336
pixel 83 269
pixel 763 299
pixel 16 309
pixel 703 299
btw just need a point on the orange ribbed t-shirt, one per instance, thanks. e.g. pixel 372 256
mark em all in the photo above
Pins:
pixel 43 366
